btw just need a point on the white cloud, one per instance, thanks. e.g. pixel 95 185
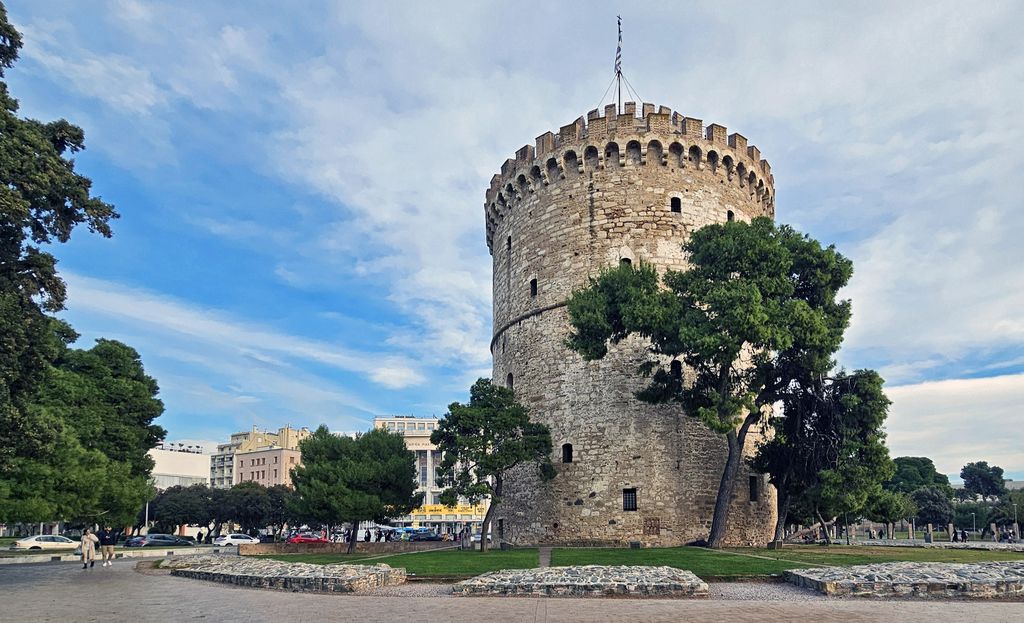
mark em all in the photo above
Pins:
pixel 174 318
pixel 958 421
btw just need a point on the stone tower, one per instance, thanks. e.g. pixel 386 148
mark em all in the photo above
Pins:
pixel 609 189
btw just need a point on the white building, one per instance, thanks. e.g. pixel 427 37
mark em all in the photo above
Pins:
pixel 179 467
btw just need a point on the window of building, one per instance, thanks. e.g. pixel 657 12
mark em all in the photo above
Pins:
pixel 501 529
pixel 291 459
pixel 730 216
pixel 533 287
pixel 629 499
pixel 626 261
pixel 275 459
pixel 676 369
pixel 755 489
pixel 567 453
pixel 510 381
pixel 508 244
pixel 275 473
pixel 677 204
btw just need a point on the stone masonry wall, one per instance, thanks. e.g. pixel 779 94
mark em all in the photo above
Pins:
pixel 599 192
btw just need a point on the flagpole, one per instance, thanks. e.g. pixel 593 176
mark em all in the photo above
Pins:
pixel 618 67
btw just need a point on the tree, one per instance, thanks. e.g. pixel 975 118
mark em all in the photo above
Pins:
pixel 829 446
pixel 933 506
pixel 981 479
pixel 756 312
pixel 972 514
pixel 42 200
pixel 250 506
pixel 369 478
pixel 482 440
pixel 888 507
pixel 279 512
pixel 914 472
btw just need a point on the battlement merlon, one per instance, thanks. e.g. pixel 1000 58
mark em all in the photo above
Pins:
pixel 605 126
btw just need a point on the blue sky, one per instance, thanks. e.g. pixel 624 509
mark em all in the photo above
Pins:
pixel 301 190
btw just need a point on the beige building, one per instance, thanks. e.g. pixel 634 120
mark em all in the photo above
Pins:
pixel 432 514
pixel 222 463
pixel 267 466
pixel 179 467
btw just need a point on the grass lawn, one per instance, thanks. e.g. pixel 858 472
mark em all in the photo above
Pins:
pixel 734 563
pixel 725 564
pixel 445 563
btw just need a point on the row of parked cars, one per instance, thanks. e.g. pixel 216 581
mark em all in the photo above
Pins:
pixel 56 541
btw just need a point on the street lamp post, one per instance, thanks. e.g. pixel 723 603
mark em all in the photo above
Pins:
pixel 974 526
pixel 1016 527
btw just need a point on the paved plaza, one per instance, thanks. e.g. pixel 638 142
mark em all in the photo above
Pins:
pixel 58 592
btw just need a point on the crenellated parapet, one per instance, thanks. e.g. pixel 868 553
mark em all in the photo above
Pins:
pixel 651 136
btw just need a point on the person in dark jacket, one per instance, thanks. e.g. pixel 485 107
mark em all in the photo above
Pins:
pixel 108 539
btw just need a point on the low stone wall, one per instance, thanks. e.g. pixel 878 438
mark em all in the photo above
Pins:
pixel 980 545
pixel 585 581
pixel 384 547
pixel 984 580
pixel 294 577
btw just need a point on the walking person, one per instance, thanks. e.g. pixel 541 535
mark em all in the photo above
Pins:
pixel 199 538
pixel 89 542
pixel 108 539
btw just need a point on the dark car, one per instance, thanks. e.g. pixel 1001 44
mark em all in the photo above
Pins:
pixel 425 535
pixel 158 540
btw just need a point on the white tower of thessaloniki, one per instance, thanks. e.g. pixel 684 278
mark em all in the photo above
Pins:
pixel 607 189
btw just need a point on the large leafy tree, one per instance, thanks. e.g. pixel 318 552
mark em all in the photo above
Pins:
pixel 482 440
pixel 914 472
pixel 888 507
pixel 341 479
pixel 756 311
pixel 42 200
pixel 983 479
pixel 933 506
pixel 829 446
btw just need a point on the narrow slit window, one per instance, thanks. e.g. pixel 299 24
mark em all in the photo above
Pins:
pixel 676 369
pixel 755 489
pixel 677 204
pixel 567 453
pixel 730 215
pixel 629 499
pixel 508 244
pixel 533 287
pixel 510 381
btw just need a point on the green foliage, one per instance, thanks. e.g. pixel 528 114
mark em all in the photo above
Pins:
pixel 54 464
pixel 757 292
pixel 914 472
pixel 886 506
pixel 982 479
pixel 1003 512
pixel 372 477
pixel 972 514
pixel 933 506
pixel 483 439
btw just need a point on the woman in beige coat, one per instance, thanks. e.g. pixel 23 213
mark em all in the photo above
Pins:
pixel 89 542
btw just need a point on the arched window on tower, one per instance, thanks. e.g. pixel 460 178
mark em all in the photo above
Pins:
pixel 730 215
pixel 676 204
pixel 510 381
pixel 533 287
pixel 508 244
pixel 567 453
pixel 626 261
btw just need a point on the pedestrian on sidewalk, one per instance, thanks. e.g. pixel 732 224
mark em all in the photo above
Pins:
pixel 108 539
pixel 89 542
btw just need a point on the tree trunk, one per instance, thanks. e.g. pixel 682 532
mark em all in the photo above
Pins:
pixel 824 528
pixel 782 507
pixel 725 489
pixel 486 527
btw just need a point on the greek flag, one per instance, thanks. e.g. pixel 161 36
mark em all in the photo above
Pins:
pixel 618 50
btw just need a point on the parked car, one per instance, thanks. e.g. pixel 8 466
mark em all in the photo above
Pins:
pixel 235 539
pixel 476 538
pixel 425 534
pixel 308 538
pixel 44 541
pixel 159 540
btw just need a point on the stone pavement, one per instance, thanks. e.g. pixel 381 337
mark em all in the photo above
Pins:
pixel 288 576
pixel 979 544
pixel 56 592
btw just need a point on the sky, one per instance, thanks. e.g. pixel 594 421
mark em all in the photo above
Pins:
pixel 301 186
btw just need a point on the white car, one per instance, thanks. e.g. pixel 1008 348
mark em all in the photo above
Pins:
pixel 476 538
pixel 235 539
pixel 44 541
